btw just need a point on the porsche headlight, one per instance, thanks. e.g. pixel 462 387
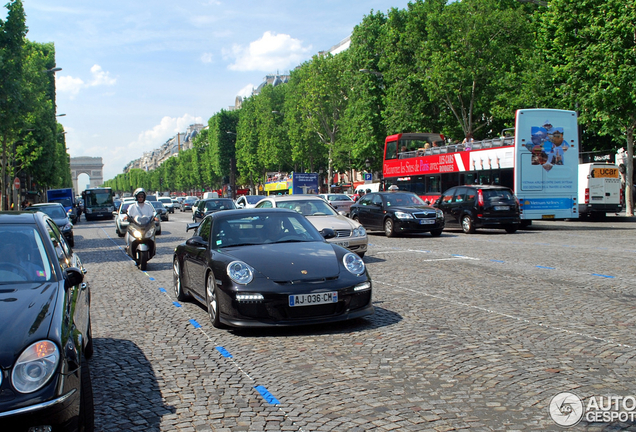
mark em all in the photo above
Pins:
pixel 402 215
pixel 359 232
pixel 35 366
pixel 240 272
pixel 353 263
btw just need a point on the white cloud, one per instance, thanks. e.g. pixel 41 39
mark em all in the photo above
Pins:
pixel 206 58
pixel 68 84
pixel 246 91
pixel 100 77
pixel 271 52
pixel 153 138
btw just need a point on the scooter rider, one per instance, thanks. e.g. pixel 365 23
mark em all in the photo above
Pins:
pixel 139 208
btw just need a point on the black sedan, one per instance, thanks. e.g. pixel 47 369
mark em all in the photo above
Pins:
pixel 396 213
pixel 56 212
pixel 160 210
pixel 269 267
pixel 211 205
pixel 45 329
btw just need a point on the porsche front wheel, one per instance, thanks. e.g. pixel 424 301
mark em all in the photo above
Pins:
pixel 212 301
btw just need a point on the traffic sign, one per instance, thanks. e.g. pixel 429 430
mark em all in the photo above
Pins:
pixel 16 183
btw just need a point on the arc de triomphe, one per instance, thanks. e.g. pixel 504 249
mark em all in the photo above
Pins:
pixel 92 166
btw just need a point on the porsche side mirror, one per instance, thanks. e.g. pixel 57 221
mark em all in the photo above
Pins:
pixel 327 233
pixel 196 241
pixel 72 277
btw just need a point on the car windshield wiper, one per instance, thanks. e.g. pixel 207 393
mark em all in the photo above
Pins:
pixel 290 241
pixel 242 244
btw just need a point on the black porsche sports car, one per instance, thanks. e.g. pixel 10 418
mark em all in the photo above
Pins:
pixel 269 267
pixel 45 329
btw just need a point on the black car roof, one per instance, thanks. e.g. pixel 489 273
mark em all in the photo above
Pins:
pixel 249 211
pixel 7 217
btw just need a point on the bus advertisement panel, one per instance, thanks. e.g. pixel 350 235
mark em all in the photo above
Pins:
pixel 547 157
pixel 294 184
pixel 541 168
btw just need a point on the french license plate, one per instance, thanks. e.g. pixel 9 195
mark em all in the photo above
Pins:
pixel 313 299
pixel 502 208
pixel 597 198
pixel 547 217
pixel 342 243
pixel 427 221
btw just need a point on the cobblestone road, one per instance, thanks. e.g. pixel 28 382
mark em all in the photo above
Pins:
pixel 470 332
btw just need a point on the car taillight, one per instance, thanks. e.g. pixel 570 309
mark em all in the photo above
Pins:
pixel 587 195
pixel 480 198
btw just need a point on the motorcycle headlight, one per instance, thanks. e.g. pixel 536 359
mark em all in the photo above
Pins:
pixel 353 263
pixel 359 232
pixel 150 232
pixel 35 366
pixel 402 215
pixel 138 235
pixel 240 272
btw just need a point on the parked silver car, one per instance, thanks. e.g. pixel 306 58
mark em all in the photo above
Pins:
pixel 339 201
pixel 349 233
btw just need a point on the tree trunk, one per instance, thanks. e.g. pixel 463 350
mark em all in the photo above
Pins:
pixel 629 169
pixel 4 174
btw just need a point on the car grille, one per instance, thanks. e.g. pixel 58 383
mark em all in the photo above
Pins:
pixel 343 233
pixel 424 215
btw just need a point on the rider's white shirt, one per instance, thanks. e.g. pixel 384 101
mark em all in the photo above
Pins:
pixel 141 209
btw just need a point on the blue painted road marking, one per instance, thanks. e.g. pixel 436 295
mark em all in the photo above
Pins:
pixel 195 323
pixel 547 268
pixel 602 275
pixel 177 304
pixel 151 278
pixel 499 261
pixel 224 352
pixel 267 395
pixel 162 290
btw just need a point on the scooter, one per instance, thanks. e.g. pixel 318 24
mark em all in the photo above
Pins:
pixel 141 238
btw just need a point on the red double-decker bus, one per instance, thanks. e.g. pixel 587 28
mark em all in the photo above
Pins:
pixel 423 164
pixel 539 163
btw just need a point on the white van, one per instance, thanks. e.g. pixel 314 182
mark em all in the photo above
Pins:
pixel 207 195
pixel 599 189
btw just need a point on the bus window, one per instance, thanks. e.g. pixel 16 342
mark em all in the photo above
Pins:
pixel 418 186
pixel 470 178
pixel 450 179
pixel 391 150
pixel 507 178
pixel 433 184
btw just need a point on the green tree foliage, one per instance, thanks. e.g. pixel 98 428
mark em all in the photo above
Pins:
pixel 251 167
pixel 321 99
pixel 471 49
pixel 591 45
pixel 363 128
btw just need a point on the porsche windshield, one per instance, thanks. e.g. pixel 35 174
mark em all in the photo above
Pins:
pixel 263 229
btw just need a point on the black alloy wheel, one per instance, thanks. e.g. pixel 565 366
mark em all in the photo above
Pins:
pixel 212 301
pixel 176 279
pixel 468 225
pixel 389 227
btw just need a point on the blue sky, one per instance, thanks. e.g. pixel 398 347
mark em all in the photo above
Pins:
pixel 134 73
